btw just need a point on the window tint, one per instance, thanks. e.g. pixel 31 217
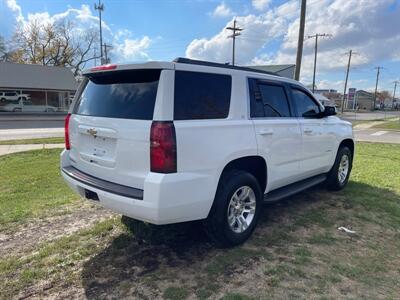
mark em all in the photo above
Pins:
pixel 120 94
pixel 274 100
pixel 201 95
pixel 305 105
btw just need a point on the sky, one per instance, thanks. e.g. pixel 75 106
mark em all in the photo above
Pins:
pixel 143 30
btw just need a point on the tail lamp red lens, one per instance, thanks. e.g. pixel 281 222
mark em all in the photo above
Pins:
pixel 104 68
pixel 163 147
pixel 66 132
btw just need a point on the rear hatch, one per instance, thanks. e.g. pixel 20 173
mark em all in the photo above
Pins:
pixel 110 125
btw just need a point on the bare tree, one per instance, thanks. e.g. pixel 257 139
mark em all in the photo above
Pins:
pixel 54 44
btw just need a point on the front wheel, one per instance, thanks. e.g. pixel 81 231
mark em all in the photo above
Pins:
pixel 236 209
pixel 339 175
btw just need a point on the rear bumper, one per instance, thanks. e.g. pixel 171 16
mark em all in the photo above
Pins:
pixel 103 185
pixel 166 198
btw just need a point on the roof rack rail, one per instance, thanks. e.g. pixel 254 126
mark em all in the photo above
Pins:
pixel 183 60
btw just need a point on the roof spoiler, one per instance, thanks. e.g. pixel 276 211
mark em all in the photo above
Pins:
pixel 189 61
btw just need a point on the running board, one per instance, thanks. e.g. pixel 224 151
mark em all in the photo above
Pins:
pixel 293 188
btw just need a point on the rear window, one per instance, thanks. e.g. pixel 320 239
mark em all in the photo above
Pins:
pixel 120 94
pixel 201 95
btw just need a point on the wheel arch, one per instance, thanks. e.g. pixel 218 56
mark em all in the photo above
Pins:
pixel 348 143
pixel 254 164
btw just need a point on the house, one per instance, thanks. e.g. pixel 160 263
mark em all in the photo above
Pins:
pixel 48 88
pixel 364 100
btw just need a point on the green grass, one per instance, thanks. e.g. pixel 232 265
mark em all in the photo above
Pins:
pixel 53 260
pixel 295 252
pixel 31 185
pixel 391 125
pixel 175 293
pixel 53 140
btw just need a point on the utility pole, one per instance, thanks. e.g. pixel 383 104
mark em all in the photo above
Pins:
pixel 236 32
pixel 100 8
pixel 106 47
pixel 301 39
pixel 347 77
pixel 394 91
pixel 376 85
pixel 315 53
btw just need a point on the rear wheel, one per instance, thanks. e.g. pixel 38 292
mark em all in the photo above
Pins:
pixel 340 172
pixel 17 110
pixel 236 209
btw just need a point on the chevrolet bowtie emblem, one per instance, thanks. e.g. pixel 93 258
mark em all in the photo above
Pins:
pixel 92 131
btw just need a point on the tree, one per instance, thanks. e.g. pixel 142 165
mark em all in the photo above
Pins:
pixel 54 44
pixel 3 49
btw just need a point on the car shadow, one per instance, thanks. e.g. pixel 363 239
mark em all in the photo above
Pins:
pixel 153 251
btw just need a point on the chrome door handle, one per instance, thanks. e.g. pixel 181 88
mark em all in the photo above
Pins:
pixel 266 132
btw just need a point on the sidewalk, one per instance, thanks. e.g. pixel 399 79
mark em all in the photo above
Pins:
pixel 30 133
pixel 8 149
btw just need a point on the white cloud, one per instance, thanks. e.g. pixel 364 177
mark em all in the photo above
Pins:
pixel 260 4
pixel 257 32
pixel 222 10
pixel 133 49
pixel 16 9
pixel 125 47
pixel 368 27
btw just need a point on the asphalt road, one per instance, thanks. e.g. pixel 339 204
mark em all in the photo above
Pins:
pixel 368 116
pixel 24 121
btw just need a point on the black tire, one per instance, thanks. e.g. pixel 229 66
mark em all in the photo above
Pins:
pixel 333 183
pixel 216 225
pixel 17 110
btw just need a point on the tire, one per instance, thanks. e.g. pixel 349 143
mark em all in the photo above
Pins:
pixel 217 225
pixel 336 181
pixel 17 110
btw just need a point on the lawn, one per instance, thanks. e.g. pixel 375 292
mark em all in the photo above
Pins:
pixel 52 140
pixel 31 187
pixel 391 125
pixel 296 251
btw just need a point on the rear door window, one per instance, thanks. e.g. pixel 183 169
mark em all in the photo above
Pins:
pixel 120 94
pixel 201 95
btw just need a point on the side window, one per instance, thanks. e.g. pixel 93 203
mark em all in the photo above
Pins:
pixel 201 95
pixel 304 103
pixel 269 101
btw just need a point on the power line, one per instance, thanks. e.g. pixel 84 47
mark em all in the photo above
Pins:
pixel 376 85
pixel 315 52
pixel 235 32
pixel 106 47
pixel 100 8
pixel 301 40
pixel 350 53
pixel 394 91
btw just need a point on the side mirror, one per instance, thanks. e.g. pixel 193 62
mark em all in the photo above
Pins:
pixel 329 111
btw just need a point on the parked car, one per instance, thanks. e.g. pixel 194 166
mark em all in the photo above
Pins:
pixel 27 106
pixel 13 96
pixel 168 142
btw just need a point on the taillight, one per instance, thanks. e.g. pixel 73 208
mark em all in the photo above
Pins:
pixel 66 132
pixel 104 68
pixel 163 147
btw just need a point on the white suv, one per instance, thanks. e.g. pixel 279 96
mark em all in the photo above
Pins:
pixel 169 142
